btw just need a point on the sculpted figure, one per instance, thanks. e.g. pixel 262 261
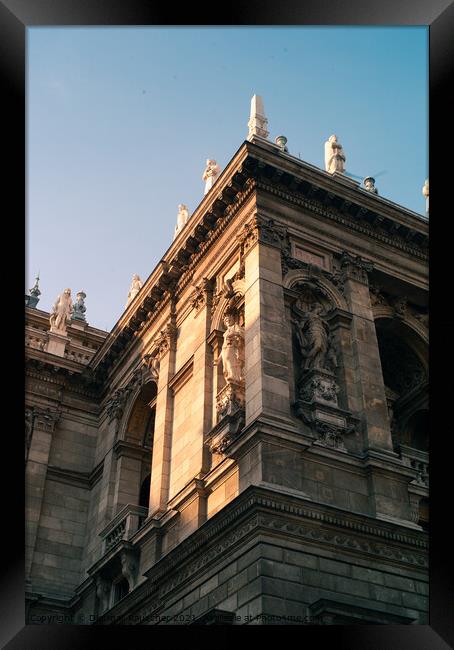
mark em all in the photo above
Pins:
pixel 79 308
pixel 182 218
pixel 314 339
pixel 334 155
pixel 136 286
pixel 61 312
pixel 232 353
pixel 369 185
pixel 210 174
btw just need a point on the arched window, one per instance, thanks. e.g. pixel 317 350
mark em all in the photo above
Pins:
pixel 140 432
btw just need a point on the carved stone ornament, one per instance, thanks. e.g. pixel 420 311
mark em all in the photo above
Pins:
pixel 166 339
pixel 263 230
pixel 152 363
pixel 400 307
pixel 129 568
pixel 376 296
pixel 103 587
pixel 329 435
pixel 355 268
pixel 116 404
pixel 230 399
pixel 45 419
pixel 202 294
pixel 319 388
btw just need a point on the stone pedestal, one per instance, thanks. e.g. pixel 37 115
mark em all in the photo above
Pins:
pixel 56 343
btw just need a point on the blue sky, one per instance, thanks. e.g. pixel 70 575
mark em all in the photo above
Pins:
pixel 120 122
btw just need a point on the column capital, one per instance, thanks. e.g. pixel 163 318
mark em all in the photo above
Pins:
pixel 263 230
pixel 353 267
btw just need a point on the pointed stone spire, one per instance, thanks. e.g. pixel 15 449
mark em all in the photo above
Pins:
pixel 257 122
pixel 33 298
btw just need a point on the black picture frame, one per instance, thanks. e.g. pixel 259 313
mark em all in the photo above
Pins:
pixel 15 17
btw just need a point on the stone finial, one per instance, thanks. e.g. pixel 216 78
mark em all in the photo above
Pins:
pixel 425 192
pixel 369 185
pixel 182 218
pixel 210 175
pixel 79 308
pixel 334 156
pixel 33 298
pixel 257 121
pixel 281 142
pixel 61 313
pixel 134 289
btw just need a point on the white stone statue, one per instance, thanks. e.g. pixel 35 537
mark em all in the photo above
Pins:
pixel 334 156
pixel 210 175
pixel 136 286
pixel 232 353
pixel 61 312
pixel 425 192
pixel 182 218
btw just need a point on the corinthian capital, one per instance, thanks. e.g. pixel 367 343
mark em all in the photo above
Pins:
pixel 261 229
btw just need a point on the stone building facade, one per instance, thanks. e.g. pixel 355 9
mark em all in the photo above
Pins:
pixel 249 444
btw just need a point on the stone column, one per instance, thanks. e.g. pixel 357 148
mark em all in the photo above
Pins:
pixel 266 345
pixel 43 423
pixel 202 379
pixel 160 470
pixel 367 377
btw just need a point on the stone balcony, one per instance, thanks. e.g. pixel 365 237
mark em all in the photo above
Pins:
pixel 417 460
pixel 123 526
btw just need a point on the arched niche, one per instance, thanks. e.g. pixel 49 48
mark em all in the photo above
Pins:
pixel 237 292
pixel 330 293
pixel 140 420
pixel 134 459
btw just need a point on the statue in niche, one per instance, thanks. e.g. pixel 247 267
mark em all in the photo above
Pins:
pixel 136 286
pixel 315 341
pixel 232 353
pixel 210 175
pixel 334 156
pixel 61 312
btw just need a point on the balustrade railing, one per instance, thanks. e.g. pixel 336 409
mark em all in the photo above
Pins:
pixel 417 460
pixel 123 525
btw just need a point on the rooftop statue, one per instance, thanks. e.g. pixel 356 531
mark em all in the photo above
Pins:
pixel 210 175
pixel 334 156
pixel 182 218
pixel 369 185
pixel 79 308
pixel 136 286
pixel 425 192
pixel 61 312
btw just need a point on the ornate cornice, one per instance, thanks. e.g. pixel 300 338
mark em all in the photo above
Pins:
pixel 363 222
